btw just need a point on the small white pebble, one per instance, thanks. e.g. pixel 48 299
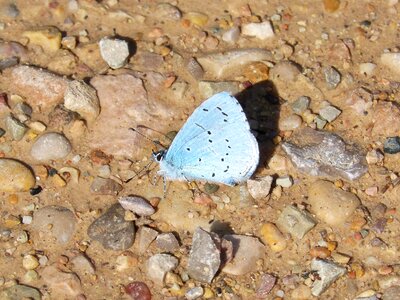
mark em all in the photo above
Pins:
pixel 284 181
pixel 26 219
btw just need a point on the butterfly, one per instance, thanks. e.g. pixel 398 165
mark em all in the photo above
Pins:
pixel 214 145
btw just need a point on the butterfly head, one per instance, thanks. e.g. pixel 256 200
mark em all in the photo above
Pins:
pixel 159 155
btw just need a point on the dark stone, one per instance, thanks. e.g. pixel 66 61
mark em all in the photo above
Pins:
pixel 392 145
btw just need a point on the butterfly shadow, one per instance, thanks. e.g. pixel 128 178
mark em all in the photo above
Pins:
pixel 261 104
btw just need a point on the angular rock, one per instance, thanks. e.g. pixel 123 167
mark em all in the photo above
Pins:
pixel 261 30
pixel 194 68
pixel 20 291
pixel 209 88
pixel 15 176
pixel 295 221
pixel 54 222
pixel 61 283
pixel 385 119
pixel 137 205
pixel 328 272
pixel 246 251
pixel 167 242
pixel 220 65
pixel 111 230
pixel 329 113
pixel 82 98
pixel 38 87
pixel 158 265
pixel 301 104
pixel 105 186
pixel 266 285
pixel 331 204
pixel 50 146
pixel 146 236
pixel 332 77
pixel 259 188
pixel 321 153
pixel 114 51
pixel 204 258
pixel 15 128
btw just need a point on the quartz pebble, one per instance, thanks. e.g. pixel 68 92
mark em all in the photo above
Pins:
pixel 290 123
pixel 271 236
pixel 114 51
pixel 15 176
pixel 158 265
pixel 194 293
pixel 167 11
pixel 392 62
pixel 50 146
pixel 16 129
pixel 231 35
pixel 374 156
pixel 284 181
pixel 137 205
pixel 328 272
pixel 295 221
pixel 261 30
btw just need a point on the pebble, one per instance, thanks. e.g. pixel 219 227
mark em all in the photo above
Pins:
pixel 285 71
pixel 167 11
pixel 332 77
pixel 267 283
pixel 329 113
pixel 300 105
pixel 204 257
pixel 50 146
pixel 295 221
pixel 197 18
pixel 20 291
pixel 146 236
pixel 10 10
pixel 105 186
pixel 126 261
pixel 260 188
pixel 374 156
pixel 392 145
pixel 167 242
pixel 223 64
pixel 209 88
pixel 232 35
pixel 194 68
pixel 30 262
pixel 391 61
pixel 330 204
pixel 138 290
pixel 321 153
pixel 62 284
pixel 159 265
pixel 328 272
pixel 111 230
pixel 55 222
pixel 385 116
pixel 15 176
pixel 48 38
pixel 15 128
pixel 194 293
pixel 31 276
pixel 82 98
pixel 290 123
pixel 262 31
pixel 367 69
pixel 82 265
pixel 340 257
pixel 137 205
pixel 331 5
pixel 284 181
pixel 114 51
pixel 271 236
pixel 247 250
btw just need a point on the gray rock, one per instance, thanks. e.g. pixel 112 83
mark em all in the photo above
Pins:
pixel 167 11
pixel 137 205
pixel 167 242
pixel 328 272
pixel 329 113
pixel 300 105
pixel 115 52
pixel 111 230
pixel 158 265
pixel 82 98
pixel 332 77
pixel 320 122
pixel 11 10
pixel 194 293
pixel 204 258
pixel 321 153
pixel 146 236
pixel 259 188
pixel 15 128
pixel 22 108
pixel 232 35
pixel 55 222
pixel 20 291
pixel 392 293
pixel 246 251
pixel 194 68
pixel 50 146
pixel 209 88
pixel 105 186
pixel 392 145
pixel 295 221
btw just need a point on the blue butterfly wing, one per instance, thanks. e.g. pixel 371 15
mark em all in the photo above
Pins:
pixel 215 144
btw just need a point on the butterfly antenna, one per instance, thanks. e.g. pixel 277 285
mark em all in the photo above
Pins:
pixel 160 133
pixel 147 138
pixel 146 167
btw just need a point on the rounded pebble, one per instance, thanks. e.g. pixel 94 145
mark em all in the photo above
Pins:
pixel 15 176
pixel 271 235
pixel 51 146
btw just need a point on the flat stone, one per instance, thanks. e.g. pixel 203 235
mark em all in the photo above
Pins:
pixel 329 113
pixel 301 104
pixel 204 258
pixel 223 64
pixel 50 146
pixel 137 205
pixel 54 222
pixel 37 86
pixel 259 188
pixel 320 153
pixel 15 128
pixel 61 283
pixel 105 186
pixel 82 98
pixel 111 230
pixel 146 236
pixel 114 51
pixel 332 77
pixel 20 291
pixel 295 221
pixel 328 272
pixel 261 30
pixel 392 145
pixel 158 265
pixel 246 251
pixel 330 204
pixel 167 242
pixel 209 88
pixel 15 176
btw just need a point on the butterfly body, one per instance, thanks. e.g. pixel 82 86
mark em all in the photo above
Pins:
pixel 215 145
